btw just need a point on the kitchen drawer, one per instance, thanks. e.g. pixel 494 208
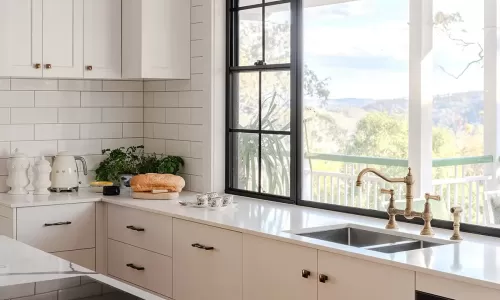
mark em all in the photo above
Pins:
pixel 142 229
pixel 156 275
pixel 84 258
pixel 57 228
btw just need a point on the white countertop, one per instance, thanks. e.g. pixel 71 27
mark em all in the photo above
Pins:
pixel 20 264
pixel 475 260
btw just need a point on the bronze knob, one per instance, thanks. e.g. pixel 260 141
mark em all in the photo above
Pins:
pixel 37 66
pixel 323 278
pixel 89 68
pixel 306 273
pixel 48 66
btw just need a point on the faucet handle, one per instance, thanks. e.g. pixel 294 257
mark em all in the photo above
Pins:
pixel 387 192
pixel 433 197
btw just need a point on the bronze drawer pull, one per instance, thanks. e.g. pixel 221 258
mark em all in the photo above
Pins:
pixel 135 228
pixel 56 224
pixel 136 267
pixel 200 246
pixel 306 273
pixel 323 278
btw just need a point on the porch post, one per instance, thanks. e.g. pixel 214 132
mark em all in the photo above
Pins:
pixel 420 98
pixel 491 90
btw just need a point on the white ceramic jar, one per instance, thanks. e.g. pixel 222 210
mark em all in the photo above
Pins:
pixel 18 180
pixel 42 182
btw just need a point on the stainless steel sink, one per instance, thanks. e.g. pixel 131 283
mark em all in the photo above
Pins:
pixel 372 240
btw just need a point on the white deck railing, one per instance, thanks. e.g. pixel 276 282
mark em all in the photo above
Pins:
pixel 461 182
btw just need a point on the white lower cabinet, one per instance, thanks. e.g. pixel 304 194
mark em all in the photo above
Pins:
pixel 207 262
pixel 342 277
pixel 277 270
pixel 452 289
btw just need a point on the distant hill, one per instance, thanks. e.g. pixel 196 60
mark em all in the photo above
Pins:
pixel 452 110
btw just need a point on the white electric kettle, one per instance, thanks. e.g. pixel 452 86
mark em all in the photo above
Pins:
pixel 64 176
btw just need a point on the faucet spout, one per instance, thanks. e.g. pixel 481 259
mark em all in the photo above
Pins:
pixel 379 174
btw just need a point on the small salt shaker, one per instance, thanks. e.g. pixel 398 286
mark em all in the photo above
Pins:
pixel 42 182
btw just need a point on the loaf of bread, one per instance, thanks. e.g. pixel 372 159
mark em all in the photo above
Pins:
pixel 152 182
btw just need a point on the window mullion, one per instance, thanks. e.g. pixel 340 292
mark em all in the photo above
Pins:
pixel 420 97
pixel 259 184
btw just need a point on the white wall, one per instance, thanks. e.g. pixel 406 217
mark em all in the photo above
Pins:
pixel 43 117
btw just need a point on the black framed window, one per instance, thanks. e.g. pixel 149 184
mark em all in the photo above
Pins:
pixel 317 90
pixel 260 77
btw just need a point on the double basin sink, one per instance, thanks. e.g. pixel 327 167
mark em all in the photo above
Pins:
pixel 373 239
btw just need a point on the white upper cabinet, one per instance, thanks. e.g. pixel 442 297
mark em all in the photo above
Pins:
pixel 102 36
pixel 63 38
pixel 156 39
pixel 21 36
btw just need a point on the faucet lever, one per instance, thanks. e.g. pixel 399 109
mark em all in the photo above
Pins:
pixel 427 214
pixel 391 209
pixel 432 197
pixel 387 192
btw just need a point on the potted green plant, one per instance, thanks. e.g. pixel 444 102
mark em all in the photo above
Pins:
pixel 122 164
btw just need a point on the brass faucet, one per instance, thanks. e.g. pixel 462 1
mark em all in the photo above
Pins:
pixel 408 212
pixel 408 180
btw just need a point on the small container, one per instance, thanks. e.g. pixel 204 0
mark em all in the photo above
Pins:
pixel 201 200
pixel 212 195
pixel 42 182
pixel 18 180
pixel 227 200
pixel 111 190
pixel 215 202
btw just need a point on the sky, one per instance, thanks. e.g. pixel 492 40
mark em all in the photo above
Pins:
pixel 363 46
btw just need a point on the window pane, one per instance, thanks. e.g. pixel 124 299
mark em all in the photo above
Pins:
pixel 458 106
pixel 276 164
pixel 276 100
pixel 246 100
pixel 248 2
pixel 250 36
pixel 355 102
pixel 277 34
pixel 246 148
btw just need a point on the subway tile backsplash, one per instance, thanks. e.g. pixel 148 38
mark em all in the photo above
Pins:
pixel 43 117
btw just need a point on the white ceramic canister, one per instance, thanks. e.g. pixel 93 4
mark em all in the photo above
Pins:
pixel 18 180
pixel 42 182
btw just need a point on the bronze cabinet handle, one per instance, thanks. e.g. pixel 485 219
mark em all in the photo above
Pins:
pixel 200 246
pixel 37 66
pixel 89 68
pixel 306 273
pixel 56 224
pixel 131 227
pixel 138 268
pixel 48 66
pixel 323 278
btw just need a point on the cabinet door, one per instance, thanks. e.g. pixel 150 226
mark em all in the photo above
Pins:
pixel 21 36
pixel 354 278
pixel 102 36
pixel 276 270
pixel 207 262
pixel 63 38
pixel 166 39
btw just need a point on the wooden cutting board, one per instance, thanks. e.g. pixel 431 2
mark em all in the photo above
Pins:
pixel 151 196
